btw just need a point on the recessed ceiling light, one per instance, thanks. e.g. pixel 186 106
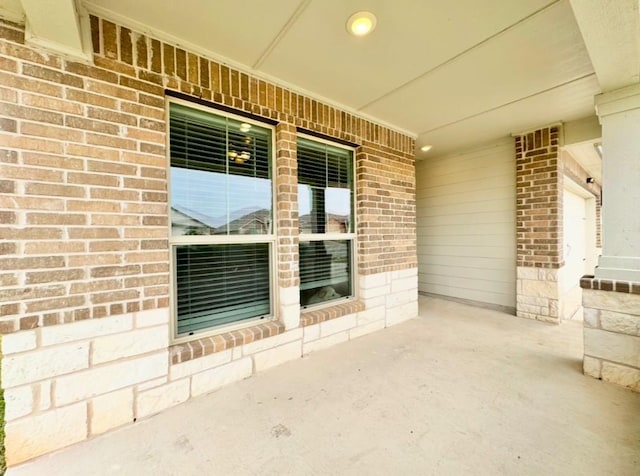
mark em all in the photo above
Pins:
pixel 244 127
pixel 361 23
pixel 426 148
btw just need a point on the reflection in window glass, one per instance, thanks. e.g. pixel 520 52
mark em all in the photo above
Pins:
pixel 220 175
pixel 325 188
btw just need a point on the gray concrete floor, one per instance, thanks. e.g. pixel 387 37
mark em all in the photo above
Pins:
pixel 460 390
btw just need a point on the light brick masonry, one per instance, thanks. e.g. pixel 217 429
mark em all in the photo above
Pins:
pixel 84 253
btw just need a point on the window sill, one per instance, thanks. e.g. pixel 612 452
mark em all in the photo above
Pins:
pixel 227 340
pixel 315 316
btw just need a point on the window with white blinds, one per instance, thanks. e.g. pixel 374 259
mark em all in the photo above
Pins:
pixel 221 219
pixel 327 230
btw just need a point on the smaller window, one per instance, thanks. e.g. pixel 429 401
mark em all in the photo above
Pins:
pixel 325 201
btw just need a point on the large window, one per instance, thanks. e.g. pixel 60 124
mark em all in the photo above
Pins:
pixel 325 201
pixel 221 219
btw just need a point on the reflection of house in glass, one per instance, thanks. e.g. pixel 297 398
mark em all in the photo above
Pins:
pixel 333 224
pixel 186 221
pixel 189 222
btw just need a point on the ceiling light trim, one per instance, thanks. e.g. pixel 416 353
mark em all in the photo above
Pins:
pixel 361 23
pixel 161 35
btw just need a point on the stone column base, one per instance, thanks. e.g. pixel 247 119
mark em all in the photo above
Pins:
pixel 538 294
pixel 612 331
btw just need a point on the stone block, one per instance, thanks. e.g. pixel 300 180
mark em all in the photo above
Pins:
pixel 339 324
pixel 43 363
pixel 367 293
pixel 548 274
pixel 290 315
pixel 129 344
pixel 43 433
pixel 523 272
pixel 311 333
pixel 404 284
pixel 401 297
pixel 18 401
pixel 82 330
pixel 270 342
pixel 404 273
pixel 591 317
pixel 620 348
pixel 111 410
pixel 151 384
pixel 591 366
pixel 210 380
pixel 152 317
pixel 325 342
pixel 621 375
pixel 278 355
pixel 193 366
pixel 370 281
pixel 375 301
pixel 401 313
pixel 157 399
pixel 110 377
pixel 289 296
pixel 620 322
pixel 546 289
pixel 22 341
pixel 365 329
pixel 607 300
pixel 371 315
pixel 42 399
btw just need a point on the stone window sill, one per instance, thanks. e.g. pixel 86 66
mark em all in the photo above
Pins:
pixel 315 316
pixel 227 340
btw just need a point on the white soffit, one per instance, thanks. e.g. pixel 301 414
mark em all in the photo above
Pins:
pixel 12 10
pixel 241 30
pixel 411 38
pixel 611 31
pixel 569 102
pixel 543 52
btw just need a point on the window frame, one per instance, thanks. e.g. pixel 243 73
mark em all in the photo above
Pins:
pixel 351 236
pixel 175 241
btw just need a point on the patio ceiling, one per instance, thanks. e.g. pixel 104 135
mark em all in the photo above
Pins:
pixel 451 73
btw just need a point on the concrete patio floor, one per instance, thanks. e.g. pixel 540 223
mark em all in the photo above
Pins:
pixel 460 390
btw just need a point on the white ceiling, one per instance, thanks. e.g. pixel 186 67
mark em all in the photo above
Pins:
pixel 453 73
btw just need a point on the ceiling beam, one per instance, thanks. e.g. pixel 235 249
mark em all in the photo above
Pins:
pixel 611 33
pixel 56 26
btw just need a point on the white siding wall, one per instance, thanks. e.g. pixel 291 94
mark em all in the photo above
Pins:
pixel 466 209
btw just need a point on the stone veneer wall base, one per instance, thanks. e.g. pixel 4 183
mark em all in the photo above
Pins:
pixel 612 331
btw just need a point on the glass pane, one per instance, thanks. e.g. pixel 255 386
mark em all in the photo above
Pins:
pixel 325 188
pixel 220 284
pixel 220 175
pixel 325 271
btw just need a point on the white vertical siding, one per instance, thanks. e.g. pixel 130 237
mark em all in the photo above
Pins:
pixel 466 209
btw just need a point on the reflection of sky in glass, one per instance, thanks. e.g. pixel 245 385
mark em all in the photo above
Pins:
pixel 337 200
pixel 218 196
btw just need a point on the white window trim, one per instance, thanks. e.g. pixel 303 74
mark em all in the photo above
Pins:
pixel 270 239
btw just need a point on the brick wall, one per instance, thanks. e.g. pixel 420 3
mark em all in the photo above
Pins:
pixel 84 204
pixel 539 200
pixel 84 255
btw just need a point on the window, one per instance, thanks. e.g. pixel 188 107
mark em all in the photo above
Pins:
pixel 221 219
pixel 325 201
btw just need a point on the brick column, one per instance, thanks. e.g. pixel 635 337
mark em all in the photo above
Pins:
pixel 286 179
pixel 539 224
